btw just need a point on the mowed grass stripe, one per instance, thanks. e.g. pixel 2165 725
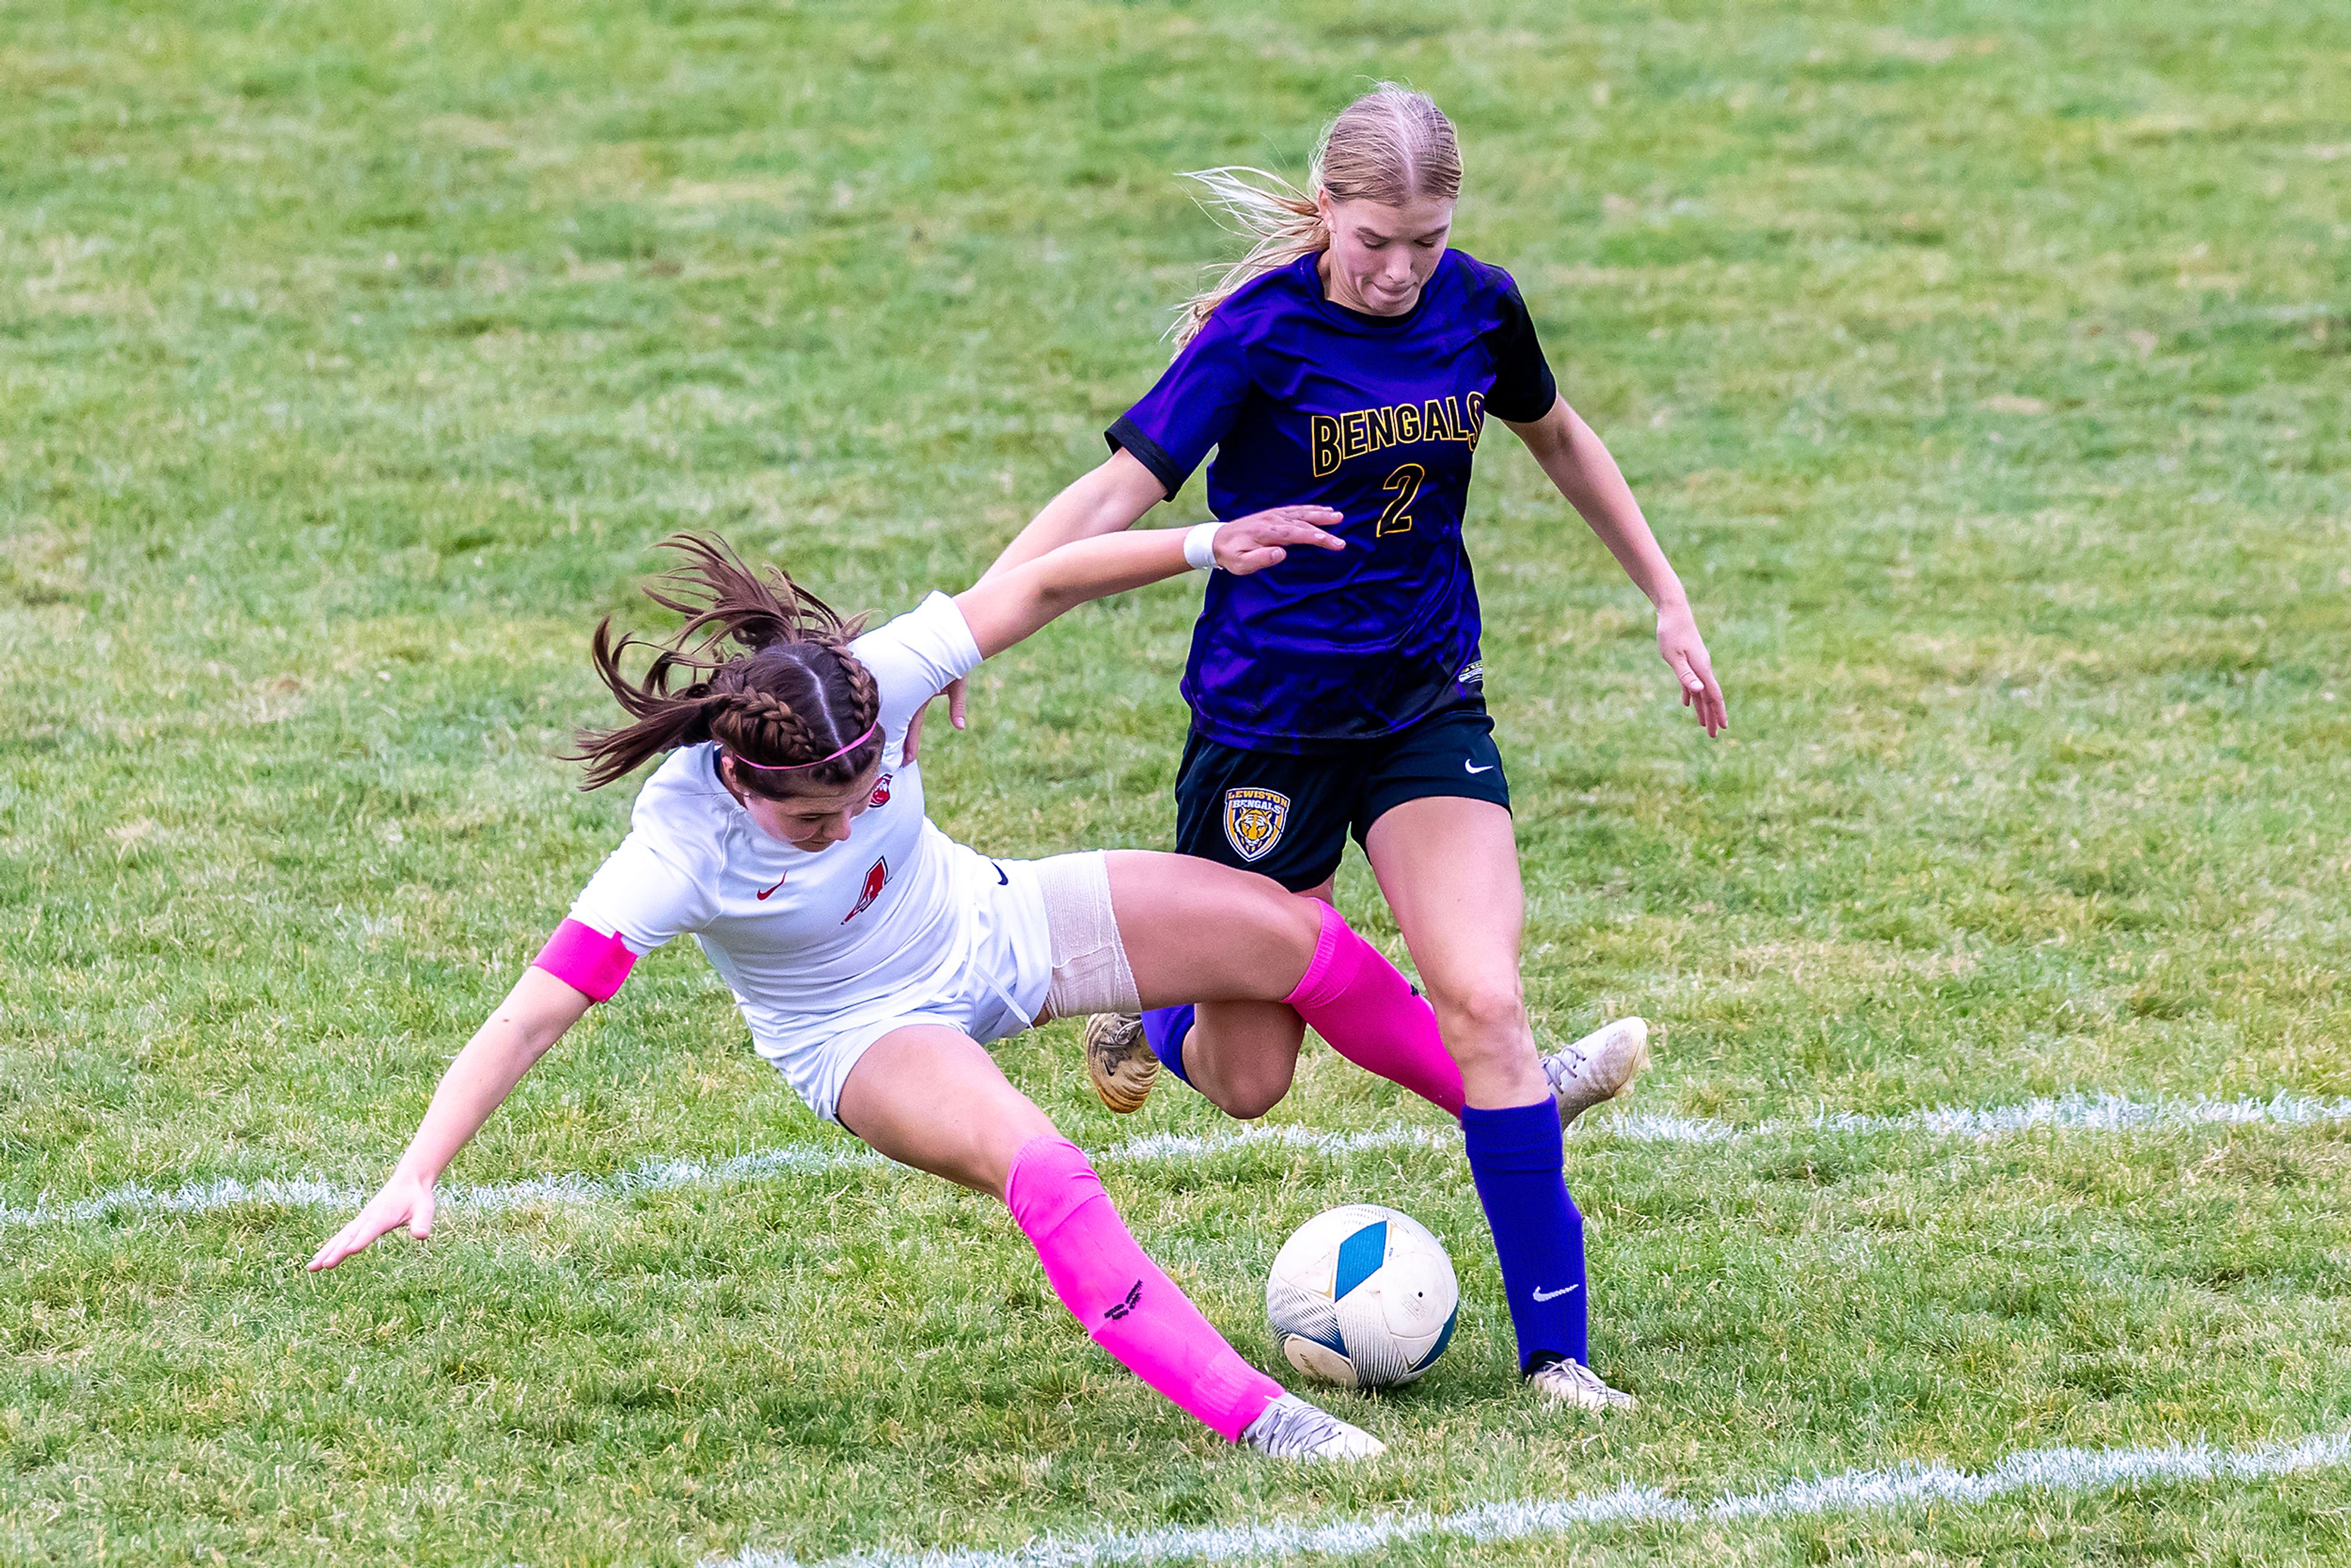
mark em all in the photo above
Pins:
pixel 2064 1470
pixel 2069 1113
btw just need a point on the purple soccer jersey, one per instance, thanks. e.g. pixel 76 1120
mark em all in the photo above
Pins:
pixel 1306 402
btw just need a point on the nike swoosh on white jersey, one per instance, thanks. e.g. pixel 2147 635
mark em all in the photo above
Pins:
pixel 1469 768
pixel 1542 1295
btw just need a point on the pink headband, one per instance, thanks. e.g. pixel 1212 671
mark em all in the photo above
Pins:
pixel 787 767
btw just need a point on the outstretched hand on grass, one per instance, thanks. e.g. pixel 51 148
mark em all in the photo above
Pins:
pixel 404 1200
pixel 521 1029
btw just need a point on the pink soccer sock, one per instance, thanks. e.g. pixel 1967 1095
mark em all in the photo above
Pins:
pixel 1356 999
pixel 1111 1285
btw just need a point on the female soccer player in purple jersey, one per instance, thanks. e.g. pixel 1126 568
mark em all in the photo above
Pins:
pixel 1352 359
pixel 872 955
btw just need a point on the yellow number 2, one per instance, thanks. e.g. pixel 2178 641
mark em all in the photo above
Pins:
pixel 1405 482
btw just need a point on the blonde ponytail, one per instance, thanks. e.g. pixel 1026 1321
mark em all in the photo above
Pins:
pixel 1388 146
pixel 1281 222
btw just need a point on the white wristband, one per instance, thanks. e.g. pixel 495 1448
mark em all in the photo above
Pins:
pixel 1200 546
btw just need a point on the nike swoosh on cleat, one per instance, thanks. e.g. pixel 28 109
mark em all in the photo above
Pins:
pixel 1542 1295
pixel 1467 767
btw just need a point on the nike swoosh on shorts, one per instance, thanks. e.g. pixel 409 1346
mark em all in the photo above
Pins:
pixel 1467 767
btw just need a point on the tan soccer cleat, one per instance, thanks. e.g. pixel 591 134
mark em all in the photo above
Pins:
pixel 1119 1061
pixel 1597 1068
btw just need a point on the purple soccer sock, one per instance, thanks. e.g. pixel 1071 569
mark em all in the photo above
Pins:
pixel 1518 1158
pixel 1165 1028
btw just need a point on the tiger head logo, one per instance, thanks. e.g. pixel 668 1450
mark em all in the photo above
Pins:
pixel 1254 819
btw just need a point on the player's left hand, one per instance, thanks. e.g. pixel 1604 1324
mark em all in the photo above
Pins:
pixel 1684 652
pixel 1262 539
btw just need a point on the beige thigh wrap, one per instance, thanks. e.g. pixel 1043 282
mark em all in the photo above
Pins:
pixel 1090 974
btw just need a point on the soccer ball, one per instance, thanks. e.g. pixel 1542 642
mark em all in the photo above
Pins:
pixel 1362 1296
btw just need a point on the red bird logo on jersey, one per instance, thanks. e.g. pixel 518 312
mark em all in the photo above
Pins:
pixel 875 877
pixel 880 796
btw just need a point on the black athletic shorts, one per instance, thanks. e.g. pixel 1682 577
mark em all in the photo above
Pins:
pixel 1289 817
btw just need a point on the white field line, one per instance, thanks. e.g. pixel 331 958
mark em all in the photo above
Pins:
pixel 2076 1470
pixel 2068 1113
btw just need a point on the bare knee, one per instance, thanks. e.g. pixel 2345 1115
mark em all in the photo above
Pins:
pixel 1483 1018
pixel 1264 938
pixel 1249 1088
pixel 1244 1059
pixel 1292 927
pixel 1252 1098
pixel 987 1168
pixel 933 1099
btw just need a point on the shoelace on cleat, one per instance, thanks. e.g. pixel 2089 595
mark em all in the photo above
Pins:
pixel 1581 1386
pixel 1291 1429
pixel 1564 1067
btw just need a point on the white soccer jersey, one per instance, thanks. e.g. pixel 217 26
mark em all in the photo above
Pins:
pixel 895 920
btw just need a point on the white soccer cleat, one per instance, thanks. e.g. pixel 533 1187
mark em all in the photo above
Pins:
pixel 1572 1383
pixel 1119 1061
pixel 1597 1068
pixel 1291 1429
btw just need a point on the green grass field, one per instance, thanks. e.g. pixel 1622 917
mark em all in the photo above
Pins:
pixel 1983 364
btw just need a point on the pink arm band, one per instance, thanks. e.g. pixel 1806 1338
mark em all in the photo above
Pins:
pixel 586 959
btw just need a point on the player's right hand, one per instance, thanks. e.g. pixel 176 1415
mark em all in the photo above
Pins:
pixel 1259 540
pixel 404 1200
pixel 914 745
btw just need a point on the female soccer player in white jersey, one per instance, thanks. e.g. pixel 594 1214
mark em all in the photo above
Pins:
pixel 871 955
pixel 1352 359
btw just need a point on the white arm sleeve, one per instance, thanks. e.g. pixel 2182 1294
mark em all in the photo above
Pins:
pixel 913 658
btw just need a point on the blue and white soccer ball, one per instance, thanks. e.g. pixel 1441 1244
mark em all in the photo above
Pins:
pixel 1362 1296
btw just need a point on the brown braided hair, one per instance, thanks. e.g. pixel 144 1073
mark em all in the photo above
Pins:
pixel 794 694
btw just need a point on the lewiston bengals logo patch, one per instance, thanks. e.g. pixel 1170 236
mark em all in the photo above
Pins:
pixel 877 876
pixel 1254 819
pixel 880 796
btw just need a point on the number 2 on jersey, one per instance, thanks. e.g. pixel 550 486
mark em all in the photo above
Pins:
pixel 1405 482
